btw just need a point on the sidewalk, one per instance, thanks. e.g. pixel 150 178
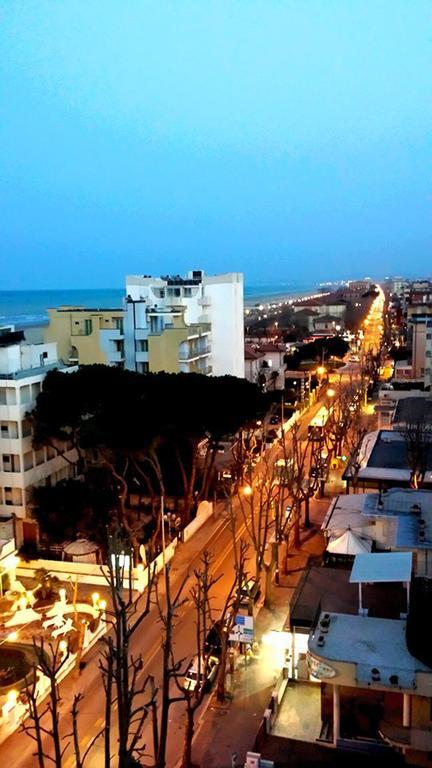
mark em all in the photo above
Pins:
pixel 231 728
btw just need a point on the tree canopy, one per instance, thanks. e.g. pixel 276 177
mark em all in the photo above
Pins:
pixel 141 429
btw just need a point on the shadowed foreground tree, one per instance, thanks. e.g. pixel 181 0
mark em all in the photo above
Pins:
pixel 174 670
pixel 114 419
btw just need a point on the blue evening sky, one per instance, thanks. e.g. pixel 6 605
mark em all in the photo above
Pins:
pixel 289 139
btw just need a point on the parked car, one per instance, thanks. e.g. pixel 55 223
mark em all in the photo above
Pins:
pixel 249 591
pixel 201 673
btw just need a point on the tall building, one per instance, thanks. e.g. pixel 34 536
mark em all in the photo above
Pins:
pixel 172 324
pixel 22 370
pixel 209 310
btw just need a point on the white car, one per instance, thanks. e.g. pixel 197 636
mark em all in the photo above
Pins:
pixel 207 673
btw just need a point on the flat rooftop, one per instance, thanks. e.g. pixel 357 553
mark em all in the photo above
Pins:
pixel 384 457
pixel 413 409
pixel 330 590
pixel 370 643
pixel 400 508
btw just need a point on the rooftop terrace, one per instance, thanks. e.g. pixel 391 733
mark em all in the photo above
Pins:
pixel 370 644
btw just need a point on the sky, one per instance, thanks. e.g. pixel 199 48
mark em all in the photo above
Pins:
pixel 288 139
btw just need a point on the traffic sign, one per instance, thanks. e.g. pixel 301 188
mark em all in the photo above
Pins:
pixel 243 629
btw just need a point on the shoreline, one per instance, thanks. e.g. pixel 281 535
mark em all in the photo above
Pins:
pixel 263 300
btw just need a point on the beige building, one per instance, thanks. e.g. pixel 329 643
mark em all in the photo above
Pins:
pixel 86 336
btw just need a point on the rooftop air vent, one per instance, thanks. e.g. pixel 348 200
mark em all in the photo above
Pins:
pixel 320 641
pixel 324 623
pixel 375 675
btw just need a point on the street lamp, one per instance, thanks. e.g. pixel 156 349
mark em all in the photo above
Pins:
pixel 247 490
pixel 330 392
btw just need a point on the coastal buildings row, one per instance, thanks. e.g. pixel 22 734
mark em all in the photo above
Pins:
pixel 411 314
pixel 172 323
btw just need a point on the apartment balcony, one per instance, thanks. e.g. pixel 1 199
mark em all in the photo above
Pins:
pixel 190 355
pixel 116 357
pixel 142 357
pixel 116 334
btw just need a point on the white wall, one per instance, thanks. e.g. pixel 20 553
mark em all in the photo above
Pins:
pixel 226 313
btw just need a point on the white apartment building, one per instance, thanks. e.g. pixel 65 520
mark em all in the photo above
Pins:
pixel 22 370
pixel 209 307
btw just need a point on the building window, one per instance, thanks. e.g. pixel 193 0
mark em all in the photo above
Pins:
pixel 142 345
pixel 26 428
pixel 13 497
pixel 88 326
pixel 39 456
pixel 142 367
pixel 11 462
pixel 188 292
pixel 28 461
pixel 118 323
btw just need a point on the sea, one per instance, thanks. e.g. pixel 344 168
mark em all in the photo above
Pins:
pixel 26 309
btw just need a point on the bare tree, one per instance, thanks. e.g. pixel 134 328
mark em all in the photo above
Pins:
pixel 343 412
pixel 42 724
pixel 418 440
pixel 227 619
pixel 258 497
pixel 120 669
pixel 201 594
pixel 168 611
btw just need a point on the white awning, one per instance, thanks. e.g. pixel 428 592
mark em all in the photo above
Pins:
pixel 80 547
pixel 348 544
pixel 382 567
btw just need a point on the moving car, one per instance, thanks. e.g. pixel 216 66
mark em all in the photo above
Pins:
pixel 201 673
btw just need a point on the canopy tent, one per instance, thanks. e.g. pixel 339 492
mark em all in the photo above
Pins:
pixel 348 543
pixel 82 550
pixel 381 567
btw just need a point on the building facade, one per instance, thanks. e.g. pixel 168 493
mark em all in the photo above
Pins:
pixel 86 336
pixel 191 325
pixel 22 370
pixel 206 312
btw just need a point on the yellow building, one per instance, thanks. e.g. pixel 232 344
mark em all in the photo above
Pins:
pixel 86 336
pixel 166 343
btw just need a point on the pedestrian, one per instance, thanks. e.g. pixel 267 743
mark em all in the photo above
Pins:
pixel 178 527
